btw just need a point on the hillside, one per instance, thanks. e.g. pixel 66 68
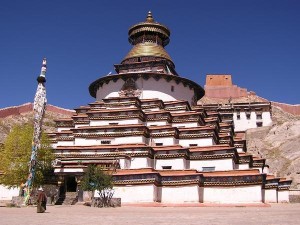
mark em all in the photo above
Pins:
pixel 279 144
pixel 11 116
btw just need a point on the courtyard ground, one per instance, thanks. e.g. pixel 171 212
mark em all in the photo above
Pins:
pixel 276 214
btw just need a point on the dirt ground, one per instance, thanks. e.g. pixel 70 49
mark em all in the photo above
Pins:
pixel 72 215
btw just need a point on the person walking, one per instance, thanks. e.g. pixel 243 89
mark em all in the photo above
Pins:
pixel 41 201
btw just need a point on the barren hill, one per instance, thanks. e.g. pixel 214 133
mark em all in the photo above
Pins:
pixel 279 144
pixel 21 114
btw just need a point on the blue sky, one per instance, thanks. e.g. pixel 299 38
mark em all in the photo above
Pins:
pixel 256 41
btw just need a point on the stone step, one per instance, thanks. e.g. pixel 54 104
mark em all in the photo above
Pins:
pixel 70 198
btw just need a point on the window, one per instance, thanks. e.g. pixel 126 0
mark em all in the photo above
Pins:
pixel 209 168
pixel 248 115
pixel 258 116
pixel 159 144
pixel 113 123
pixel 166 167
pixel 259 124
pixel 238 114
pixel 172 88
pixel 193 145
pixel 105 142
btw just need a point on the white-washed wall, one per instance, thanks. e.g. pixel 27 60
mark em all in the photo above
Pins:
pixel 91 141
pixel 242 166
pixel 266 170
pixel 180 194
pixel 243 123
pixel 120 122
pixel 157 123
pixel 190 124
pixel 81 125
pixel 283 196
pixel 60 129
pixel 139 162
pixel 240 150
pixel 125 163
pixel 238 194
pixel 164 140
pixel 198 141
pixel 136 193
pixel 131 139
pixel 117 140
pixel 68 170
pixel 65 143
pixel 270 195
pixel 267 120
pixel 177 163
pixel 150 89
pixel 7 193
pixel 219 164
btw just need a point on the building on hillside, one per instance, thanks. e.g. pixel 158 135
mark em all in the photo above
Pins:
pixel 244 107
pixel 164 148
pixel 244 115
pixel 221 86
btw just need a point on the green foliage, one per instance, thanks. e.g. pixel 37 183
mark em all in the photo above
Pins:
pixel 96 179
pixel 15 157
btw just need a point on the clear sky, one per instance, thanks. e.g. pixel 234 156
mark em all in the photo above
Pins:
pixel 256 41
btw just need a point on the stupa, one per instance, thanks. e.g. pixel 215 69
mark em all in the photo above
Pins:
pixel 164 148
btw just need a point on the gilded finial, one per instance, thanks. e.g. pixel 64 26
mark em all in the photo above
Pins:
pixel 149 17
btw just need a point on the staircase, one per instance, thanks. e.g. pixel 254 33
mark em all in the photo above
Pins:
pixel 68 198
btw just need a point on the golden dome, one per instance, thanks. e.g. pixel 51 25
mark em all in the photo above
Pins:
pixel 148 49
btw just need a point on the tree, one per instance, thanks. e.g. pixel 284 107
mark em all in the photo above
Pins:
pixel 15 157
pixel 95 179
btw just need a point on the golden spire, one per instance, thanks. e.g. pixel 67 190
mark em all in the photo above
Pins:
pixel 149 17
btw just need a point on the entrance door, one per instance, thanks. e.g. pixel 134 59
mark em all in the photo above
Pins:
pixel 71 184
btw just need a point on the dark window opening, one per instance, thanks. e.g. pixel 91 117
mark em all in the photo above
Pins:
pixel 210 168
pixel 167 167
pixel 193 145
pixel 248 115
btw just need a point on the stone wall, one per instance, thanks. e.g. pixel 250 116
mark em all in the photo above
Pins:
pixel 220 86
pixel 294 195
pixel 218 80
pixel 225 91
